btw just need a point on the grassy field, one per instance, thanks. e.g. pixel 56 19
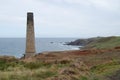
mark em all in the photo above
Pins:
pixel 104 43
pixel 61 66
pixel 13 69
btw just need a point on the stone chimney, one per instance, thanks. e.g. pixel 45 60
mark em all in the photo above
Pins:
pixel 30 36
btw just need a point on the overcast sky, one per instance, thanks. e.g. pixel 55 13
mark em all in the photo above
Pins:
pixel 61 18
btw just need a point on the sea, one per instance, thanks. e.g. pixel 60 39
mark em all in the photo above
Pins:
pixel 16 46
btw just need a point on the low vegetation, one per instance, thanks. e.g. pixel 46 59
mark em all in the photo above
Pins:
pixel 37 70
pixel 98 42
pixel 104 43
pixel 100 63
pixel 100 66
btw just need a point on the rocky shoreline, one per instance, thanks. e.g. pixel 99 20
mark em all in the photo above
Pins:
pixel 83 42
pixel 97 42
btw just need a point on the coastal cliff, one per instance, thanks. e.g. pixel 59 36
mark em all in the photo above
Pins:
pixel 97 42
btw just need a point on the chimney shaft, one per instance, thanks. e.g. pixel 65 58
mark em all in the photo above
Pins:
pixel 30 36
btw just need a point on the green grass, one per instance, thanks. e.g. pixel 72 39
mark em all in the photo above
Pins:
pixel 4 65
pixel 105 70
pixel 13 69
pixel 38 70
pixel 29 75
pixel 42 71
pixel 83 78
pixel 33 65
pixel 25 71
pixel 104 43
pixel 18 70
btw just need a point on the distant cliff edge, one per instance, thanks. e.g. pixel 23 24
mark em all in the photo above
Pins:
pixel 97 42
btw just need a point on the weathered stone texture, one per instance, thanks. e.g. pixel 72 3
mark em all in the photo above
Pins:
pixel 30 36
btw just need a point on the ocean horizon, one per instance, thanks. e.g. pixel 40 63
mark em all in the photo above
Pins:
pixel 16 46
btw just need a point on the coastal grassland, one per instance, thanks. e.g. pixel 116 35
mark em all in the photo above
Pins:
pixel 104 43
pixel 18 70
pixel 104 71
pixel 103 65
pixel 64 65
pixel 97 42
pixel 39 70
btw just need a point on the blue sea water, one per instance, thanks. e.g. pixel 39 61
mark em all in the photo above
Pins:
pixel 16 46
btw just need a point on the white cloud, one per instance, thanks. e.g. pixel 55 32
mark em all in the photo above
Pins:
pixel 63 17
pixel 100 4
pixel 13 19
pixel 106 4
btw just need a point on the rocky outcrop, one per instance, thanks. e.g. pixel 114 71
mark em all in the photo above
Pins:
pixel 98 43
pixel 83 42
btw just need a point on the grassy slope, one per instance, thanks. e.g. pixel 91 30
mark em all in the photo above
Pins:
pixel 104 42
pixel 14 69
pixel 61 66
